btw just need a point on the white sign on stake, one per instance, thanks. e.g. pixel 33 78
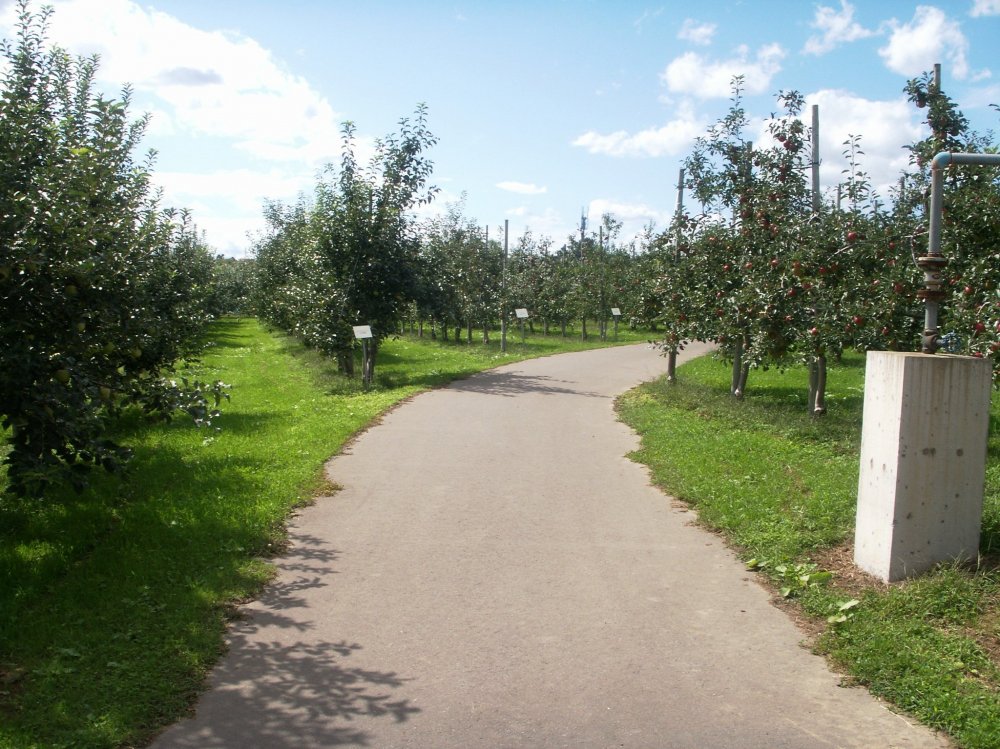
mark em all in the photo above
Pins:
pixel 362 331
pixel 615 312
pixel 522 313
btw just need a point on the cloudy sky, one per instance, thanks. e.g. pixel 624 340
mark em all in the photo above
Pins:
pixel 544 108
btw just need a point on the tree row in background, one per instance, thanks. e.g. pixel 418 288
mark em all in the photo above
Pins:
pixel 770 271
pixel 353 254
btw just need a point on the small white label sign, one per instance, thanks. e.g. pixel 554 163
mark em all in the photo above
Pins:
pixel 615 312
pixel 522 313
pixel 362 331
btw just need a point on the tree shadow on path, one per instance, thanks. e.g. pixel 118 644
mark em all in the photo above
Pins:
pixel 291 693
pixel 512 384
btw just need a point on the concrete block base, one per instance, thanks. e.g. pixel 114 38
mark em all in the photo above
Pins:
pixel 923 460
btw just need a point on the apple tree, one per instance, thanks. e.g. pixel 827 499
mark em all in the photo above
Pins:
pixel 100 291
pixel 351 255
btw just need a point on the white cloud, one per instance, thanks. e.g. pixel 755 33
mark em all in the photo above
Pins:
pixel 646 17
pixel 985 8
pixel 982 96
pixel 206 83
pixel 242 189
pixel 634 217
pixel 207 91
pixel 522 188
pixel 232 236
pixel 837 28
pixel 545 223
pixel 438 207
pixel 696 33
pixel 628 213
pixel 885 126
pixel 672 139
pixel 930 37
pixel 695 75
pixel 227 204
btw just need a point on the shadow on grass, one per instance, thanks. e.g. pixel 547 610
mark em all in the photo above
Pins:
pixel 775 408
pixel 55 537
pixel 281 689
pixel 226 333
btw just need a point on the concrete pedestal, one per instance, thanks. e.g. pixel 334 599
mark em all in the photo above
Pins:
pixel 923 460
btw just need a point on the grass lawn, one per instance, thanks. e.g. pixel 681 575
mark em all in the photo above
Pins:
pixel 782 487
pixel 113 603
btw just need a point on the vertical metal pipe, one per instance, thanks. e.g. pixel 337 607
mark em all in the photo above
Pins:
pixel 937 196
pixel 933 263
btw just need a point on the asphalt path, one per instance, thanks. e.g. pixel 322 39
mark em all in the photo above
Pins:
pixel 495 572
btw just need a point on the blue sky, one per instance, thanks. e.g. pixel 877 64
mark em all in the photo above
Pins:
pixel 543 109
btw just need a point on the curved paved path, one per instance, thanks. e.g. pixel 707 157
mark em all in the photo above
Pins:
pixel 495 573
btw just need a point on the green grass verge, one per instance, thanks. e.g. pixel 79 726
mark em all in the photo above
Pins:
pixel 113 603
pixel 782 488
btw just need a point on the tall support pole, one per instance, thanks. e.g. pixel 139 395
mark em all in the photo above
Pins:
pixel 741 369
pixel 678 212
pixel 817 377
pixel 815 158
pixel 583 310
pixel 602 322
pixel 486 317
pixel 503 290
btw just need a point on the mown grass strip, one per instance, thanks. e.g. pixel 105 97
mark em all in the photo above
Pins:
pixel 782 487
pixel 113 603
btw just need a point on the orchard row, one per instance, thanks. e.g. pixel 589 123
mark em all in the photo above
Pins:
pixel 771 271
pixel 101 291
